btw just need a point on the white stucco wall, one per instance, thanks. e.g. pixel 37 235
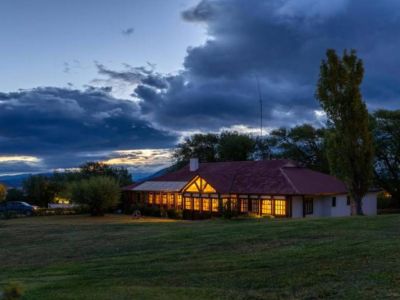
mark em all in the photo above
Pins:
pixel 370 205
pixel 341 209
pixel 297 207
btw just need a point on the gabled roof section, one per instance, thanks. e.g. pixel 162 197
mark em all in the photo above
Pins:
pixel 278 177
pixel 199 185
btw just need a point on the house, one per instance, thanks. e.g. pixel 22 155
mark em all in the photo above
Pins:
pixel 279 188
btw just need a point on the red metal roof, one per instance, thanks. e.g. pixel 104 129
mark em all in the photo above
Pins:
pixel 278 177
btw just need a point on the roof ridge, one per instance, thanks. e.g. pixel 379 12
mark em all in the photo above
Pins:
pixel 288 180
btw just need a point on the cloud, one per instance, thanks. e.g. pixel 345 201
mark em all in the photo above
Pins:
pixel 60 126
pixel 128 31
pixel 281 42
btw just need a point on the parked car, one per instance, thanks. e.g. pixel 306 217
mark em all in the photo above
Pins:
pixel 18 207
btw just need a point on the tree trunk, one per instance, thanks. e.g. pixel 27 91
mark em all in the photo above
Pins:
pixel 357 207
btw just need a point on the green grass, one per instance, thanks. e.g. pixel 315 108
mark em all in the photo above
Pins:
pixel 78 257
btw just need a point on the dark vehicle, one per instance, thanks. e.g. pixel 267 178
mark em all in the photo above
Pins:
pixel 17 207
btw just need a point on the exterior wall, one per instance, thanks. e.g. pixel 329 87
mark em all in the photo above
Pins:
pixel 341 209
pixel 369 204
pixel 297 207
pixel 322 205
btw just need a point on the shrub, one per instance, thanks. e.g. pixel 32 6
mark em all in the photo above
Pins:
pixel 229 213
pixel 12 291
pixel 97 193
pixel 175 213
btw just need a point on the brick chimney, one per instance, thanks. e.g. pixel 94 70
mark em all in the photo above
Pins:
pixel 194 164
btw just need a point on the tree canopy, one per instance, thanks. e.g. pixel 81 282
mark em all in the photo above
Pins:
pixel 3 192
pixel 303 143
pixel 210 147
pixel 386 129
pixel 99 193
pixel 349 139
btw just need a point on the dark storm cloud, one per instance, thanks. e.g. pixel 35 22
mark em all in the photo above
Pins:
pixel 281 42
pixel 66 127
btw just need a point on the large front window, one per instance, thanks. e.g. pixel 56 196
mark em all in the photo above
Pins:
pixel 157 197
pixel 280 207
pixel 266 207
pixel 214 204
pixel 196 203
pixel 244 205
pixel 206 204
pixel 188 203
pixel 171 199
pixel 178 200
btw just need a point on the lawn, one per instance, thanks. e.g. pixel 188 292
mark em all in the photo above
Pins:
pixel 115 257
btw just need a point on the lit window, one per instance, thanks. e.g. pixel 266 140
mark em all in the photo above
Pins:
pixel 214 204
pixel 206 204
pixel 254 206
pixel 164 198
pixel 151 197
pixel 208 189
pixel 266 207
pixel 157 198
pixel 193 188
pixel 280 207
pixel 200 186
pixel 188 203
pixel 178 200
pixel 171 200
pixel 234 203
pixel 225 203
pixel 333 201
pixel 244 205
pixel 196 203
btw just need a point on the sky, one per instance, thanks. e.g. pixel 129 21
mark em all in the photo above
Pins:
pixel 123 81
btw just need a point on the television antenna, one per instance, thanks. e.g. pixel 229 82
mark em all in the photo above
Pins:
pixel 261 105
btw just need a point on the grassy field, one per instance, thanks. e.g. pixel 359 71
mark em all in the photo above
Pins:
pixel 78 257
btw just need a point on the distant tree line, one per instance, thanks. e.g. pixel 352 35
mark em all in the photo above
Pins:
pixel 94 184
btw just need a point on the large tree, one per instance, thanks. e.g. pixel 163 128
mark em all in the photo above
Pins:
pixel 349 139
pixel 234 146
pixel 386 128
pixel 304 144
pixel 201 146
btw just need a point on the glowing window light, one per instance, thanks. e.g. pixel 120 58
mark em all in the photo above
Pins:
pixel 188 203
pixel 266 207
pixel 158 199
pixel 196 204
pixel 200 186
pixel 171 199
pixel 225 203
pixel 151 198
pixel 244 205
pixel 280 207
pixel 214 204
pixel 206 204
pixel 178 198
pixel 164 198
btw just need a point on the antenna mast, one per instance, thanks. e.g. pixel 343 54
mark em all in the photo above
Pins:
pixel 261 106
